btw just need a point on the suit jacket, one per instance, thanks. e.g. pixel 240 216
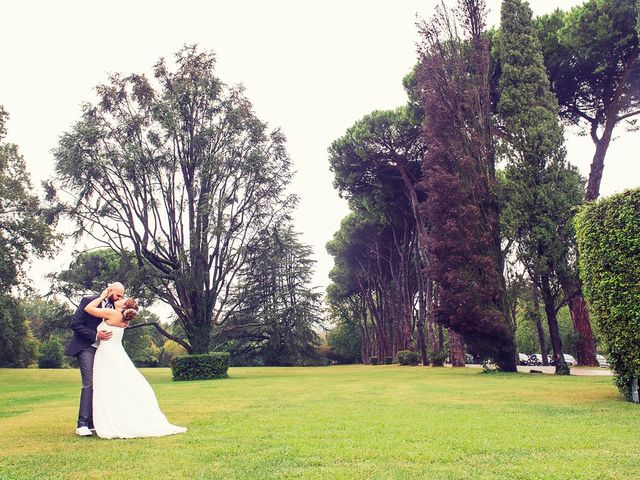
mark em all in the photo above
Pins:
pixel 84 326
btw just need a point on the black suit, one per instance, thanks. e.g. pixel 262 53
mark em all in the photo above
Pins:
pixel 85 330
pixel 84 326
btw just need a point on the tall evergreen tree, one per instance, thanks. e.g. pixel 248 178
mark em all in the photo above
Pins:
pixel 280 312
pixel 542 189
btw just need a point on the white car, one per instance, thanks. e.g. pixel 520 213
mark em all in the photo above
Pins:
pixel 523 359
pixel 602 361
pixel 569 360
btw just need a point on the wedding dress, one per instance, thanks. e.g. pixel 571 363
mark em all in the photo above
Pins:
pixel 124 404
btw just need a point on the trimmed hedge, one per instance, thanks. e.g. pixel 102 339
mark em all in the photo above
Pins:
pixel 373 360
pixel 407 357
pixel 200 367
pixel 608 233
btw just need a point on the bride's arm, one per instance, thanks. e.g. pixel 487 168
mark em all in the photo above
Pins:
pixel 93 308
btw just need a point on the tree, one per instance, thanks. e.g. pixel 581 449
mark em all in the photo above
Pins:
pixel 51 354
pixel 90 271
pixel 592 55
pixel 47 318
pixel 184 174
pixel 25 225
pixel 280 313
pixel 18 346
pixel 462 208
pixel 542 191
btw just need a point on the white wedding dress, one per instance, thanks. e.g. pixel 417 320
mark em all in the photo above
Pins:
pixel 124 404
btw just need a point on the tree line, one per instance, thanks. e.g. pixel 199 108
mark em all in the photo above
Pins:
pixel 462 200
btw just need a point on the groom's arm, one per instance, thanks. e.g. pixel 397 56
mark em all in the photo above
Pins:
pixel 78 324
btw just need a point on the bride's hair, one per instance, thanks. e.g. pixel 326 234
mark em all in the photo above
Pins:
pixel 129 309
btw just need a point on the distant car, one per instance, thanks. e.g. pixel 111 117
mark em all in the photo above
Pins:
pixel 568 359
pixel 536 359
pixel 523 359
pixel 602 361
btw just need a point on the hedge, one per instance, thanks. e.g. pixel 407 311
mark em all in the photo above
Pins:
pixel 200 367
pixel 407 357
pixel 608 233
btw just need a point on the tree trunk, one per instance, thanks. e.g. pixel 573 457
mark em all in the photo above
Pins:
pixel 422 313
pixel 586 344
pixel 538 320
pixel 456 349
pixel 554 331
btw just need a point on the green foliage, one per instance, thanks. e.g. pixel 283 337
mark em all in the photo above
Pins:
pixel 388 360
pixel 47 318
pixel 200 367
pixel 168 352
pixel 278 311
pixel 143 344
pixel 437 358
pixel 345 343
pixel 90 271
pixel 25 226
pixel 373 360
pixel 51 354
pixel 591 56
pixel 609 245
pixel 18 346
pixel 407 357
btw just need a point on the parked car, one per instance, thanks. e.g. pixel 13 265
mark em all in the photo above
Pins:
pixel 602 361
pixel 523 359
pixel 536 359
pixel 568 359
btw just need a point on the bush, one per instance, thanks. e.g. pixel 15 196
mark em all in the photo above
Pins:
pixel 51 354
pixel 438 358
pixel 200 367
pixel 608 233
pixel 373 360
pixel 407 357
pixel 388 360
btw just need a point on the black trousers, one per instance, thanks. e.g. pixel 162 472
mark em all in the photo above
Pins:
pixel 85 363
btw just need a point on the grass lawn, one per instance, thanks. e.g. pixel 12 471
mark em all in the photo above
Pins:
pixel 352 422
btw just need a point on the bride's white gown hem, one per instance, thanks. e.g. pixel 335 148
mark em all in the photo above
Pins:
pixel 124 404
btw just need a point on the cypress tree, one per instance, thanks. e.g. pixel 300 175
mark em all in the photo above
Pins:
pixel 541 188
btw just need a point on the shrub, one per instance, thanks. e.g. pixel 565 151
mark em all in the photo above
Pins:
pixel 608 233
pixel 438 358
pixel 51 354
pixel 373 360
pixel 388 360
pixel 200 367
pixel 407 357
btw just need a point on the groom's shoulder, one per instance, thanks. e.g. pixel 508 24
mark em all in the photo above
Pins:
pixel 88 299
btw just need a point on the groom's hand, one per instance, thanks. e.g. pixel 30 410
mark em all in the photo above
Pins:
pixel 104 335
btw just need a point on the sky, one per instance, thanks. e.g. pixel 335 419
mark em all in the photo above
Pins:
pixel 309 68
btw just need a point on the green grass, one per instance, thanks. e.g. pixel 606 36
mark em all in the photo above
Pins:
pixel 353 422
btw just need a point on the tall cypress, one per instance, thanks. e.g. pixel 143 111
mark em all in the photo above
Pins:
pixel 541 188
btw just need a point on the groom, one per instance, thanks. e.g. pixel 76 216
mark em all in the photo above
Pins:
pixel 83 346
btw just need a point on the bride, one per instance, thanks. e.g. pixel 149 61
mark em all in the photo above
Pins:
pixel 124 404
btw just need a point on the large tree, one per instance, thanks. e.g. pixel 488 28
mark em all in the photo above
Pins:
pixel 592 54
pixel 543 191
pixel 459 178
pixel 182 172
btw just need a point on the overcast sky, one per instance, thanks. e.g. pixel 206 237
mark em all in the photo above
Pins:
pixel 309 68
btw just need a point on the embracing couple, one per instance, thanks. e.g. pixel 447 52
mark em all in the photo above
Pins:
pixel 116 400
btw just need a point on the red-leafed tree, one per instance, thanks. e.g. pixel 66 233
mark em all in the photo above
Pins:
pixel 462 210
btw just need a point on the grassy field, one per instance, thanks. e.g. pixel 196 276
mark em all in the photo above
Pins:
pixel 352 422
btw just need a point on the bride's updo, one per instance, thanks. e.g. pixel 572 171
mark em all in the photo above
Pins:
pixel 129 309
